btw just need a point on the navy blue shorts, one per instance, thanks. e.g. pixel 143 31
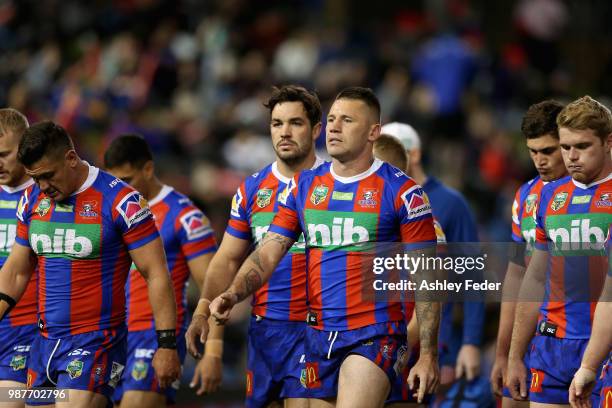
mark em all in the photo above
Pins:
pixel 139 374
pixel 91 361
pixel 275 361
pixel 383 343
pixel 15 352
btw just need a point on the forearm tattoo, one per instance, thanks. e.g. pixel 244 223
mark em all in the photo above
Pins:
pixel 428 317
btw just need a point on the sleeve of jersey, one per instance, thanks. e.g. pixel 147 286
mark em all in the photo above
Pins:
pixel 133 218
pixel 238 225
pixel 539 214
pixel 286 222
pixel 23 218
pixel 196 236
pixel 516 221
pixel 416 219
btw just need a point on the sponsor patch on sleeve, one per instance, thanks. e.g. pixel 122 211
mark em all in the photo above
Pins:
pixel 133 208
pixel 195 224
pixel 23 203
pixel 236 202
pixel 418 205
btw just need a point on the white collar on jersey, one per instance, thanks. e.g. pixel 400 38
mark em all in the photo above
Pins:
pixel 285 180
pixel 163 193
pixel 346 180
pixel 21 187
pixel 91 177
pixel 585 186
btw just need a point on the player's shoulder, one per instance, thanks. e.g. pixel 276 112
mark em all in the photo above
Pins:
pixel 552 186
pixel 308 175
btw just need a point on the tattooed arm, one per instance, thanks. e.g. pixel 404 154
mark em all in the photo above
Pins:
pixel 252 275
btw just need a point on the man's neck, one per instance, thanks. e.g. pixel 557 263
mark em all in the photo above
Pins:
pixel 353 167
pixel 82 172
pixel 418 174
pixel 153 189
pixel 289 170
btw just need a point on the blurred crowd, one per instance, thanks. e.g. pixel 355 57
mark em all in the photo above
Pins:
pixel 191 77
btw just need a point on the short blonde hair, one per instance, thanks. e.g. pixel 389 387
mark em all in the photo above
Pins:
pixel 586 113
pixel 389 149
pixel 11 120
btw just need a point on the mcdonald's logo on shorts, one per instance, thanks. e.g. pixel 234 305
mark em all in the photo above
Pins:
pixel 249 383
pixel 606 397
pixel 312 375
pixel 30 378
pixel 537 378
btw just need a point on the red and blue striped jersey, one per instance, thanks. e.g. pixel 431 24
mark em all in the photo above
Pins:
pixel 82 245
pixel 186 234
pixel 254 206
pixel 525 200
pixel 572 223
pixel 25 311
pixel 339 216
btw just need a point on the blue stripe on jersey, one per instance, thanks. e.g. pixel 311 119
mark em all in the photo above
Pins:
pixel 333 296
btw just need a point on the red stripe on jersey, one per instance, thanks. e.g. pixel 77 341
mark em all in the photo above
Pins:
pixel 86 284
pixel 556 302
pixel 179 275
pixel 315 287
pixel 271 183
pixel 260 302
pixel 598 267
pixel 100 352
pixel 541 236
pixel 359 312
pixel 42 290
pixel 139 305
pixel 297 303
pixel 517 211
pixel 25 311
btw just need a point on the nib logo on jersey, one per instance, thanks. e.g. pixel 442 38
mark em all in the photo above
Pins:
pixel 8 232
pixel 340 230
pixel 578 232
pixel 64 240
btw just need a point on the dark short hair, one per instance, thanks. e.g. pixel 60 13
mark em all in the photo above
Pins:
pixel 43 139
pixel 541 119
pixel 129 149
pixel 366 95
pixel 296 93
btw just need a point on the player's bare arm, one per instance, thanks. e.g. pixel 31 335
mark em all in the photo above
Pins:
pixel 219 275
pixel 150 259
pixel 15 275
pixel 511 287
pixel 253 274
pixel 596 351
pixel 525 321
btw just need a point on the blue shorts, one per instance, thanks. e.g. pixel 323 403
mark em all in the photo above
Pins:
pixel 383 343
pixel 275 361
pixel 399 387
pixel 605 397
pixel 91 361
pixel 139 374
pixel 553 363
pixel 15 351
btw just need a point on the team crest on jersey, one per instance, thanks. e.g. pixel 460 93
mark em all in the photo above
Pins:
pixel 319 194
pixel 418 205
pixel 604 200
pixel 23 203
pixel 368 198
pixel 195 224
pixel 559 201
pixel 88 209
pixel 139 371
pixel 236 201
pixel 264 197
pixel 74 369
pixel 133 208
pixel 530 203
pixel 18 362
pixel 43 207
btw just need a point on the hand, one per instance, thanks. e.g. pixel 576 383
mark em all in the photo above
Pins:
pixel 209 374
pixel 167 366
pixel 581 388
pixel 222 305
pixel 424 376
pixel 516 378
pixel 197 331
pixel 468 362
pixel 497 375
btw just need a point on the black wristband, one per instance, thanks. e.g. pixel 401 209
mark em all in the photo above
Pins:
pixel 166 339
pixel 11 302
